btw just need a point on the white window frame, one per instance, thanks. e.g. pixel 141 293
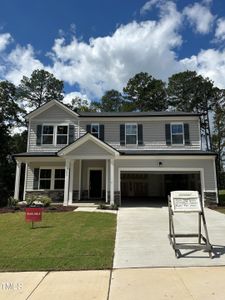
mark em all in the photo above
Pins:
pixel 42 134
pixel 67 135
pixel 95 124
pixel 55 127
pixel 171 133
pixel 126 124
pixel 52 183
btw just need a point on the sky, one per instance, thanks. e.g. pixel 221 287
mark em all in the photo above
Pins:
pixel 97 45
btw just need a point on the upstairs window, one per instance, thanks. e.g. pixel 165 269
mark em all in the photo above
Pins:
pixel 62 135
pixel 45 179
pixel 131 134
pixel 95 130
pixel 47 134
pixel 177 134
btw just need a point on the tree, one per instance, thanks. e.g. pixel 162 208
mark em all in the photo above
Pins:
pixel 79 104
pixel 9 116
pixel 40 88
pixel 218 140
pixel 145 93
pixel 188 91
pixel 111 101
pixel 9 109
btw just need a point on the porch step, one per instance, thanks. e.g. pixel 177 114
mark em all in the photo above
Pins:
pixel 87 204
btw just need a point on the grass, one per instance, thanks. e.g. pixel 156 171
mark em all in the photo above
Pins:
pixel 62 241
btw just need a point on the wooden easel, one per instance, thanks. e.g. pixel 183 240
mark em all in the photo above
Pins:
pixel 188 202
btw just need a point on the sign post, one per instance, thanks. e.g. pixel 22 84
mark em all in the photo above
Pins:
pixel 188 202
pixel 33 214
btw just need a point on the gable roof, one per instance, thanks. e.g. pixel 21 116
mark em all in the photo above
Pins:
pixel 83 139
pixel 46 106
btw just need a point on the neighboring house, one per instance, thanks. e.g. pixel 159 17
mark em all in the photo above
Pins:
pixel 114 156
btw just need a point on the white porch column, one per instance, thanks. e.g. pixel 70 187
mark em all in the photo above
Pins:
pixel 71 182
pixel 79 179
pixel 17 180
pixel 111 181
pixel 25 182
pixel 66 186
pixel 106 180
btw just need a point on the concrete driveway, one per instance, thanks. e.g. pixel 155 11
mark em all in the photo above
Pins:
pixel 142 238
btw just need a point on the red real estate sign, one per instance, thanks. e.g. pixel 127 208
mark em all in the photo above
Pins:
pixel 33 214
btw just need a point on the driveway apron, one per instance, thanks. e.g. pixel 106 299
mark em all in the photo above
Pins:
pixel 142 238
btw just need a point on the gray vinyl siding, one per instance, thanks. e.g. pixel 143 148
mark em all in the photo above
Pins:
pixel 153 133
pixel 89 149
pixel 54 116
pixel 206 164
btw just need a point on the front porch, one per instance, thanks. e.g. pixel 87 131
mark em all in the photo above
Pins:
pixel 83 170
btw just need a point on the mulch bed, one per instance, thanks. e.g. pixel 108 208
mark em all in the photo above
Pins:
pixel 52 208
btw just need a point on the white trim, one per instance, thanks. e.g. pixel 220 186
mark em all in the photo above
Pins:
pixel 171 157
pixel 17 180
pixel 215 181
pixel 25 182
pixel 171 134
pixel 95 124
pixel 88 178
pixel 28 137
pixel 106 180
pixel 201 170
pixel 48 105
pixel 71 183
pixel 127 124
pixel 84 139
pixel 112 185
pixel 66 185
pixel 55 130
pixel 52 168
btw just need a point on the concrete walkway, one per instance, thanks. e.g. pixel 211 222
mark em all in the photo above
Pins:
pixel 122 284
pixel 142 238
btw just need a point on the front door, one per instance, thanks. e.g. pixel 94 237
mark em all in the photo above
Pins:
pixel 95 184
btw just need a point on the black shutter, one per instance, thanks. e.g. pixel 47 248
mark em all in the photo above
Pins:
pixel 102 132
pixel 122 134
pixel 168 134
pixel 36 179
pixel 186 134
pixel 140 134
pixel 39 132
pixel 71 133
pixel 88 128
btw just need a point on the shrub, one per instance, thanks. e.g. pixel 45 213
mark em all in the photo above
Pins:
pixel 38 200
pixel 30 199
pixel 12 202
pixel 45 200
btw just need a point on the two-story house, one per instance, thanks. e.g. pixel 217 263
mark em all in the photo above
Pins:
pixel 117 157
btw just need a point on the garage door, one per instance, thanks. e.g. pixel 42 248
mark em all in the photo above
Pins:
pixel 156 185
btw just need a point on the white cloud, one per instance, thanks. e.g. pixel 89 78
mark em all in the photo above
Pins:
pixel 5 39
pixel 148 6
pixel 68 97
pixel 200 17
pixel 108 62
pixel 209 63
pixel 220 30
pixel 21 62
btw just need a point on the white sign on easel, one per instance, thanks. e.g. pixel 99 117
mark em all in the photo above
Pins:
pixel 185 201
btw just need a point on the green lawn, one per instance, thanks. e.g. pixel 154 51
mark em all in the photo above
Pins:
pixel 62 241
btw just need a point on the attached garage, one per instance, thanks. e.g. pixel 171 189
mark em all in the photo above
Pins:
pixel 154 186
